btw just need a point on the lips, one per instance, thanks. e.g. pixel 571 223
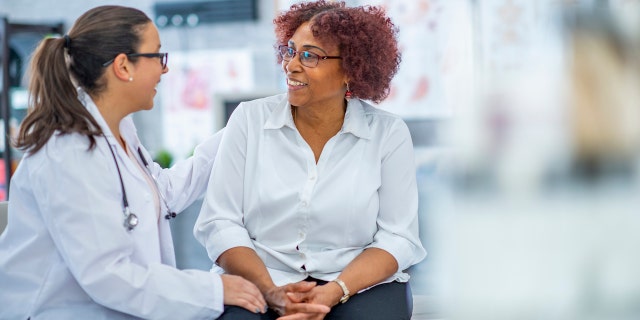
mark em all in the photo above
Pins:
pixel 295 83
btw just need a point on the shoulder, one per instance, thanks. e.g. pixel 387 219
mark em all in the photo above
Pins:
pixel 385 121
pixel 62 150
pixel 266 104
pixel 267 101
pixel 257 112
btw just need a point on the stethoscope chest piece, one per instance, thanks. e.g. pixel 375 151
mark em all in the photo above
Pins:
pixel 131 221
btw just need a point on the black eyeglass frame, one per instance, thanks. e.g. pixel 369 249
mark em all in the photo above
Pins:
pixel 164 58
pixel 283 50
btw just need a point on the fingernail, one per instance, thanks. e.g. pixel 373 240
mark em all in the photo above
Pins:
pixel 257 310
pixel 265 309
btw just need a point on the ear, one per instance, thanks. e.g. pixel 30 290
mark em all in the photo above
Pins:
pixel 122 67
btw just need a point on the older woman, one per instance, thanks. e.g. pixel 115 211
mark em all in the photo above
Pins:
pixel 313 197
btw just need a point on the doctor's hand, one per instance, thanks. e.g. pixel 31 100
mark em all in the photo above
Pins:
pixel 242 293
pixel 278 300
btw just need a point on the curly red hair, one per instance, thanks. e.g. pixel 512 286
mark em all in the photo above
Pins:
pixel 365 36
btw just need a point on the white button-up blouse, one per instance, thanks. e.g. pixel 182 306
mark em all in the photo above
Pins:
pixel 266 192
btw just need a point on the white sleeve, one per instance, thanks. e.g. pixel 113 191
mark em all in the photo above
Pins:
pixel 398 216
pixel 219 226
pixel 78 193
pixel 187 179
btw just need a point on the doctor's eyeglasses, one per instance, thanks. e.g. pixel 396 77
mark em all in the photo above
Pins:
pixel 164 57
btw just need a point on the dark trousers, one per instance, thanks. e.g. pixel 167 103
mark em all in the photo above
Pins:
pixel 389 301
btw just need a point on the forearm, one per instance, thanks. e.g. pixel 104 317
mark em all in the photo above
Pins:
pixel 245 262
pixel 372 266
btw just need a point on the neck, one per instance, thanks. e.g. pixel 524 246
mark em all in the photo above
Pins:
pixel 111 116
pixel 319 116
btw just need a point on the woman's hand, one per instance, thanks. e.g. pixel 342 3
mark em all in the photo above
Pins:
pixel 242 293
pixel 327 295
pixel 279 300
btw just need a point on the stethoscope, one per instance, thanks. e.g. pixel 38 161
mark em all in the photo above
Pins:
pixel 130 218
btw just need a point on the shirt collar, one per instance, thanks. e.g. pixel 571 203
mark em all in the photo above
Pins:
pixel 281 115
pixel 355 121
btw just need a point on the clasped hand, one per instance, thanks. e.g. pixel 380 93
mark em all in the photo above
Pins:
pixel 301 301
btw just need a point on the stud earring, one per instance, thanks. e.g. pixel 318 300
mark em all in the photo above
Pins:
pixel 348 94
pixel 130 79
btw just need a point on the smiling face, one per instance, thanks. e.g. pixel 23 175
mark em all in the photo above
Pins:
pixel 320 87
pixel 147 70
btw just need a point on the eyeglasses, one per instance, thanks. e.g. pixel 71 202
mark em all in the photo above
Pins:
pixel 308 59
pixel 164 57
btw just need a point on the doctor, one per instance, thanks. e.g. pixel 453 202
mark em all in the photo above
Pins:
pixel 88 233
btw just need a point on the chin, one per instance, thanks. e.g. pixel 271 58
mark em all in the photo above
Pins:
pixel 295 102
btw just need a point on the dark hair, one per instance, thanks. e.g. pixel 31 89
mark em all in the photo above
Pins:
pixel 365 36
pixel 97 36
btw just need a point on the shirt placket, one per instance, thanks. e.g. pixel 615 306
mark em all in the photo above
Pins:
pixel 304 204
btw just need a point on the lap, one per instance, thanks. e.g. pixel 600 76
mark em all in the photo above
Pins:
pixel 389 301
pixel 239 313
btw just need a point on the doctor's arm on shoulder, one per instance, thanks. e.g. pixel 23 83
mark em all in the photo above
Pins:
pixel 186 180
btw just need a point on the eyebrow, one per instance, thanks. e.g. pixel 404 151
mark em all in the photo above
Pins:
pixel 307 46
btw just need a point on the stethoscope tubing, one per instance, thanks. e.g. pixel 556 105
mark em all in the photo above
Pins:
pixel 130 218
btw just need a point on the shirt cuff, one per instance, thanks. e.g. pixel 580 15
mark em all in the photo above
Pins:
pixel 404 251
pixel 226 239
pixel 218 293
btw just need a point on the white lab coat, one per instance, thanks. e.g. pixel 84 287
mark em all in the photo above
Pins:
pixel 65 252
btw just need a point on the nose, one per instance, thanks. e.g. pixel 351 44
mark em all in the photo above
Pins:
pixel 293 64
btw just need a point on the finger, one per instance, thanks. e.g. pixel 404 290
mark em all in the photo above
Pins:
pixel 250 302
pixel 308 308
pixel 257 295
pixel 302 286
pixel 313 308
pixel 302 316
pixel 299 316
pixel 253 294
pixel 256 303
pixel 297 297
pixel 251 307
pixel 246 295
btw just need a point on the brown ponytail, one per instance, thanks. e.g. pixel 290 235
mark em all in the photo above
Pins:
pixel 53 100
pixel 97 36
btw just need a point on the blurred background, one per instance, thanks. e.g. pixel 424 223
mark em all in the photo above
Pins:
pixel 524 116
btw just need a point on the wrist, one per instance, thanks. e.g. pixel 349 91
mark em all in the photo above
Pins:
pixel 266 287
pixel 335 292
pixel 265 290
pixel 345 294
